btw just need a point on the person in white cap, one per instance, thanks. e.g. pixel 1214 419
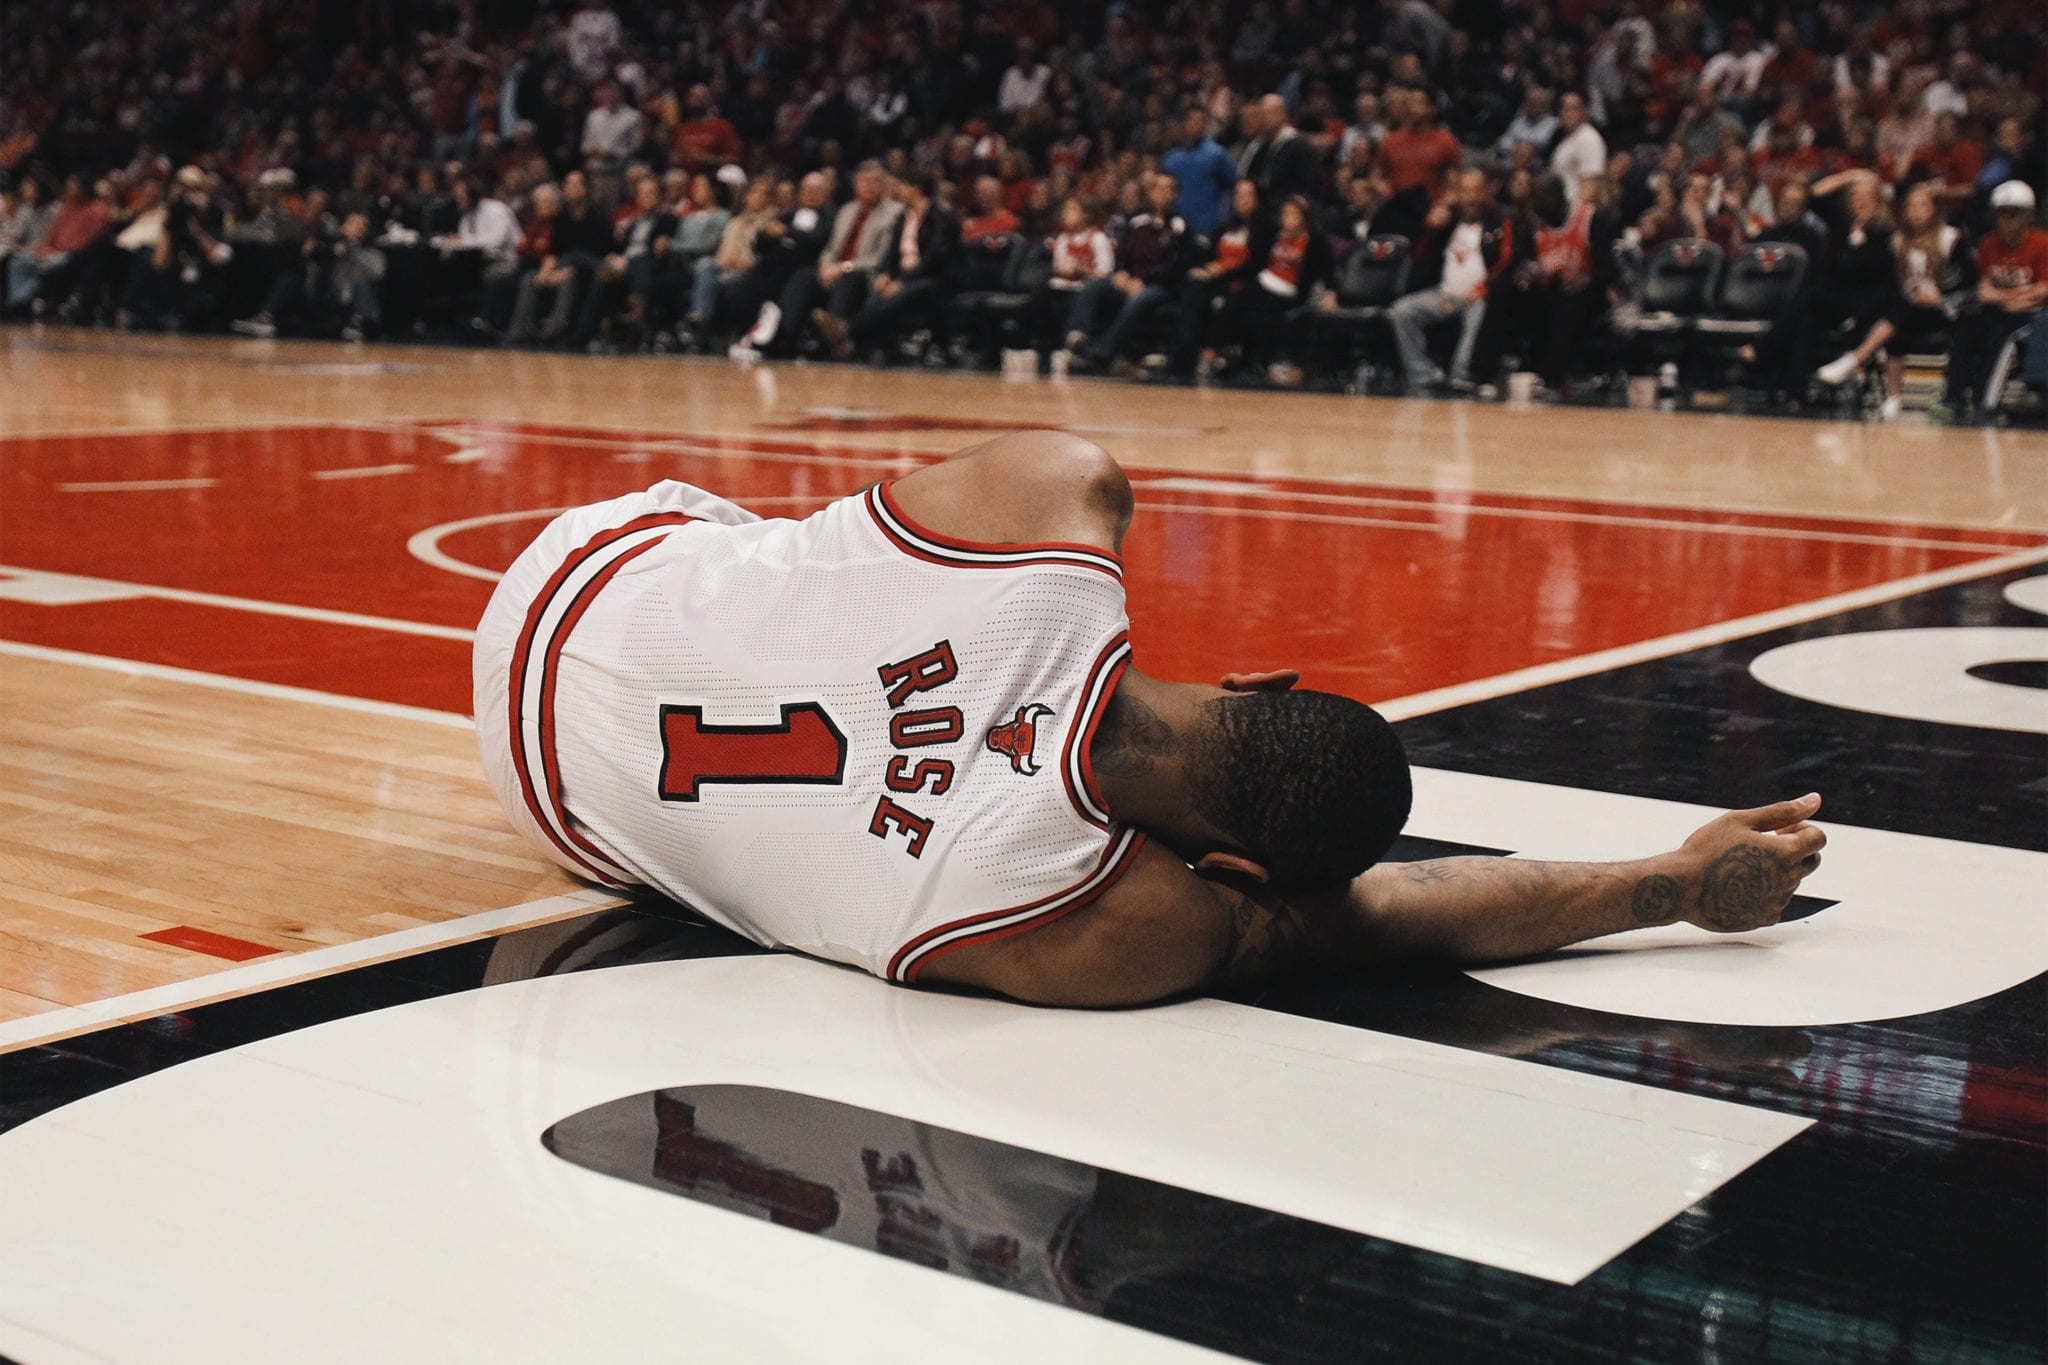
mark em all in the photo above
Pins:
pixel 2012 289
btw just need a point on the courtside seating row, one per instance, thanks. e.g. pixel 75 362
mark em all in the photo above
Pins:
pixel 1687 295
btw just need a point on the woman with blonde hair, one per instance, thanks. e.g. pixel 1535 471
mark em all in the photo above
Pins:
pixel 1931 268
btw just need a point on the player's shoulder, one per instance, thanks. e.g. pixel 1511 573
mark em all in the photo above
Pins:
pixel 1025 488
pixel 1158 930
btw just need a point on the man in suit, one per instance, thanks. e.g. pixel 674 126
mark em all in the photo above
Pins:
pixel 1274 155
pixel 787 247
pixel 862 237
pixel 920 272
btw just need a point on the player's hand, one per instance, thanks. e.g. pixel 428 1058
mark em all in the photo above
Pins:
pixel 1279 680
pixel 1741 869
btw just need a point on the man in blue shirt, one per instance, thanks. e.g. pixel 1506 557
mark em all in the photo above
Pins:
pixel 1205 172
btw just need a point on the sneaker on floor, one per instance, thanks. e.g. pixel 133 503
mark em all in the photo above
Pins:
pixel 1888 411
pixel 1464 388
pixel 1283 374
pixel 742 354
pixel 766 326
pixel 1838 371
pixel 258 326
pixel 1940 414
pixel 354 333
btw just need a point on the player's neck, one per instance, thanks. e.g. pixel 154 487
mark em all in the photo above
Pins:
pixel 1140 750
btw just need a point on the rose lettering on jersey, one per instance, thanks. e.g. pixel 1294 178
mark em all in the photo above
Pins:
pixel 901 777
pixel 916 729
pixel 919 673
pixel 933 668
pixel 890 817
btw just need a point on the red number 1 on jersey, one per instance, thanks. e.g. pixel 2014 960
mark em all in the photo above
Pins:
pixel 805 748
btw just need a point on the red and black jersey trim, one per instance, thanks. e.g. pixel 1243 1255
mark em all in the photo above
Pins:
pixel 536 657
pixel 920 543
pixel 1077 768
pixel 915 955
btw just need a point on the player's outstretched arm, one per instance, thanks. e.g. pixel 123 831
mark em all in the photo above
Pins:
pixel 1163 930
pixel 1734 873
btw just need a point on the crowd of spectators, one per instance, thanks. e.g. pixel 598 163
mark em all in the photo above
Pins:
pixel 1444 189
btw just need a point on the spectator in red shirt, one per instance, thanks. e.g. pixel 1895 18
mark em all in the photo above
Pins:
pixel 2012 288
pixel 1952 159
pixel 1783 158
pixel 1415 157
pixel 703 140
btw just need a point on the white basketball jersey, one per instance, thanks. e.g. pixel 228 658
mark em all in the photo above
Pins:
pixel 846 735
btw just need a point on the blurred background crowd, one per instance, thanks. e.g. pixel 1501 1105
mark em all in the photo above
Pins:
pixel 1785 199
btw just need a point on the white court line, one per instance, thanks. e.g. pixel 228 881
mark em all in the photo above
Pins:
pixel 1198 485
pixel 1584 665
pixel 225 683
pixel 286 968
pixel 212 599
pixel 136 485
pixel 371 471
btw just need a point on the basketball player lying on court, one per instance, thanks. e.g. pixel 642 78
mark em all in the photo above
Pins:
pixel 905 733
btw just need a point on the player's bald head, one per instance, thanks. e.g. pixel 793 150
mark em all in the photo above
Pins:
pixel 1312 786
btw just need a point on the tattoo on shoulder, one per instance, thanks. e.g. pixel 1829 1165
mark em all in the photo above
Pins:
pixel 1655 899
pixel 1131 739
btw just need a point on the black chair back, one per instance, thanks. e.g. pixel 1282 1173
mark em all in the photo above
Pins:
pixel 1762 279
pixel 1375 273
pixel 1679 276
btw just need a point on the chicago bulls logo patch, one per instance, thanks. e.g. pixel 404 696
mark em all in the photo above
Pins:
pixel 1015 739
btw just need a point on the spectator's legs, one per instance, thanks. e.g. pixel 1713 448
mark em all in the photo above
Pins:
pixel 525 312
pixel 366 306
pixel 148 288
pixel 799 296
pixel 1562 322
pixel 882 317
pixel 287 292
pixel 1979 336
pixel 498 295
pixel 1135 310
pixel 1095 299
pixel 703 290
pixel 24 277
pixel 58 277
pixel 674 286
pixel 285 303
pixel 1411 317
pixel 1197 301
pixel 1511 318
pixel 582 283
pixel 1969 357
pixel 1264 325
pixel 2036 364
pixel 600 300
pixel 848 292
pixel 1473 314
pixel 640 275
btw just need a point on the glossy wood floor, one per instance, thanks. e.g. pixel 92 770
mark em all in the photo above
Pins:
pixel 283 768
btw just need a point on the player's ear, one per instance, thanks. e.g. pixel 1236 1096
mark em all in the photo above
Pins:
pixel 1233 864
pixel 1280 680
